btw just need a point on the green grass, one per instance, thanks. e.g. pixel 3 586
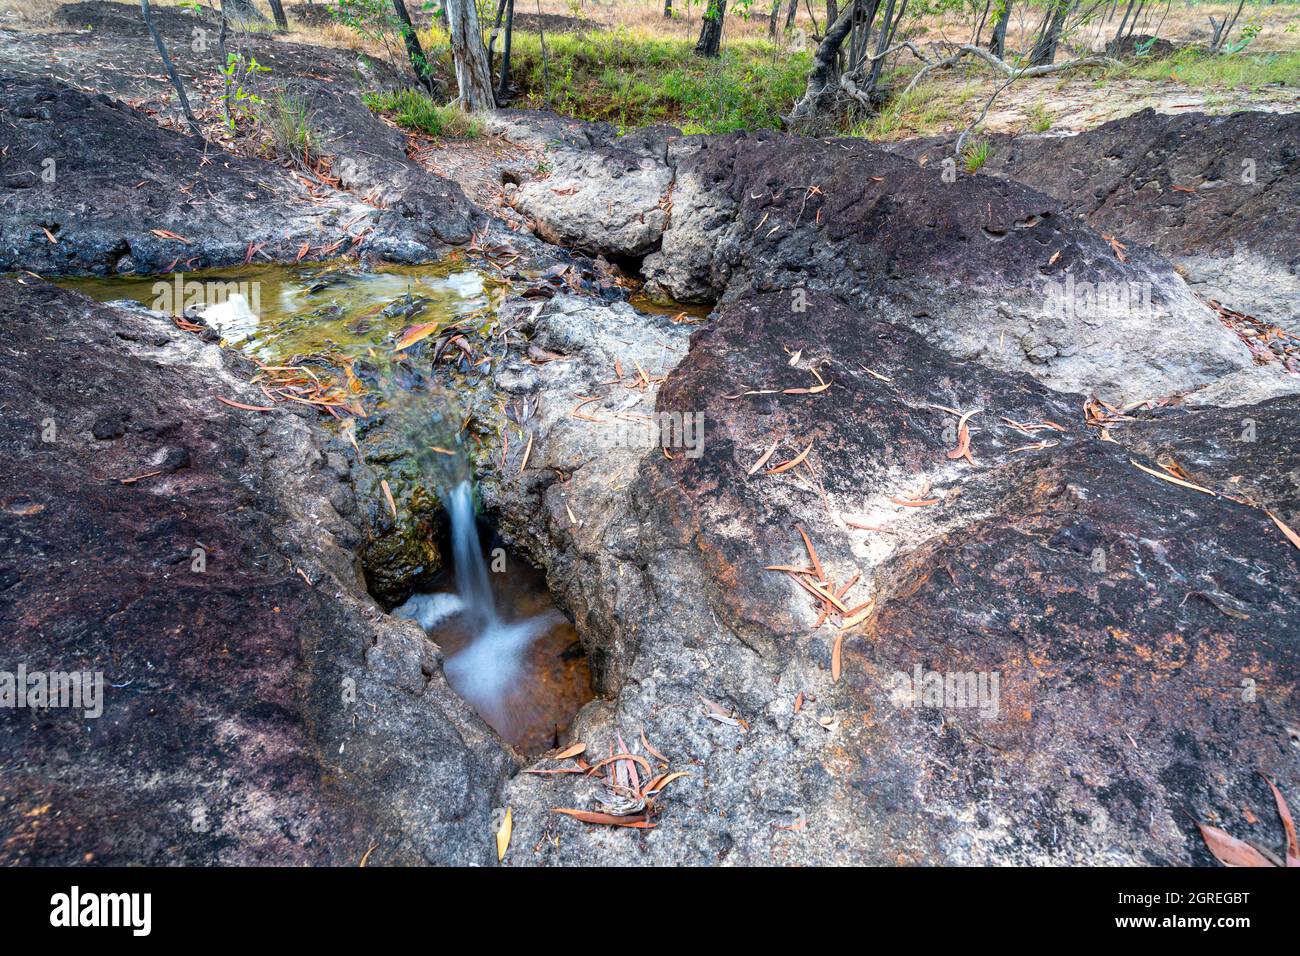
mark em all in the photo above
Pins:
pixel 975 155
pixel 1040 118
pixel 632 78
pixel 416 110
pixel 287 120
pixel 927 109
pixel 1197 69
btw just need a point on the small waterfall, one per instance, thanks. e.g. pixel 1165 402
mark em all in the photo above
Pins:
pixel 471 571
pixel 489 670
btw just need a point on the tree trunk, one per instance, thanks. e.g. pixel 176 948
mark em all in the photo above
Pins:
pixel 790 14
pixel 473 74
pixel 171 70
pixel 998 44
pixel 419 63
pixel 1044 51
pixel 818 88
pixel 710 42
pixel 503 85
pixel 832 14
pixel 277 10
pixel 668 9
pixel 774 19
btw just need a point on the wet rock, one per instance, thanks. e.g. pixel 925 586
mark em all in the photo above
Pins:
pixel 257 706
pixel 1110 604
pixel 989 271
pixel 92 186
pixel 1209 192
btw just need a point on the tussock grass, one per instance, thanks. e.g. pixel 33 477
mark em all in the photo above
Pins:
pixel 416 110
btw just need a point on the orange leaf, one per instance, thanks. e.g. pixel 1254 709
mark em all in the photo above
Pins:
pixel 247 408
pixel 570 752
pixel 1230 851
pixel 414 334
pixel 608 819
pixel 792 463
pixel 1283 811
pixel 836 656
pixel 1286 529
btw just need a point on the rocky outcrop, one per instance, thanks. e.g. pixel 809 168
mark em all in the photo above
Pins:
pixel 1142 633
pixel 987 270
pixel 369 158
pixel 90 185
pixel 257 707
pixel 1208 192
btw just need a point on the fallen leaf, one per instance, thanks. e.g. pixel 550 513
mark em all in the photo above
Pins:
pixel 608 819
pixel 503 834
pixel 1230 851
pixel 763 460
pixel 792 463
pixel 247 408
pixel 836 654
pixel 570 752
pixel 388 496
pixel 1286 529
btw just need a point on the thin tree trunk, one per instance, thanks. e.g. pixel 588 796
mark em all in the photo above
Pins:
pixel 668 9
pixel 503 86
pixel 710 42
pixel 790 13
pixel 816 90
pixel 414 52
pixel 998 45
pixel 277 10
pixel 774 19
pixel 833 14
pixel 473 74
pixel 1044 51
pixel 171 70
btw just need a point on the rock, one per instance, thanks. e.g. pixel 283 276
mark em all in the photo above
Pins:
pixel 606 194
pixel 1110 604
pixel 1244 452
pixel 1206 191
pixel 369 157
pixel 257 706
pixel 987 270
pixel 90 185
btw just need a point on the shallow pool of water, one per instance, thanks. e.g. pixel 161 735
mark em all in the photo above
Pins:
pixel 276 312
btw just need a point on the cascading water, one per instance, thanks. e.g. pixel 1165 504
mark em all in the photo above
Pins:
pixel 489 664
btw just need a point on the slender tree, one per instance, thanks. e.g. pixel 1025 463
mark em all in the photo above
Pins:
pixel 503 86
pixel 998 42
pixel 473 73
pixel 277 10
pixel 171 70
pixel 790 13
pixel 668 9
pixel 414 51
pixel 710 42
pixel 1044 51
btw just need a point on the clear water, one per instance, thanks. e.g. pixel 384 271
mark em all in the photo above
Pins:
pixel 519 666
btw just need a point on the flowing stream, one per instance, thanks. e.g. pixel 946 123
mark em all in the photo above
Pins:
pixel 519 670
pixel 507 650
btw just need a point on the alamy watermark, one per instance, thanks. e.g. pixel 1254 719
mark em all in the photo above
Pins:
pixel 39 690
pixel 181 295
pixel 1072 300
pixel 667 430
pixel 956 690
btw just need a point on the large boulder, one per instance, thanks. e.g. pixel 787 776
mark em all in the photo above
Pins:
pixel 1208 192
pixel 257 707
pixel 986 269
pixel 91 185
pixel 1143 634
